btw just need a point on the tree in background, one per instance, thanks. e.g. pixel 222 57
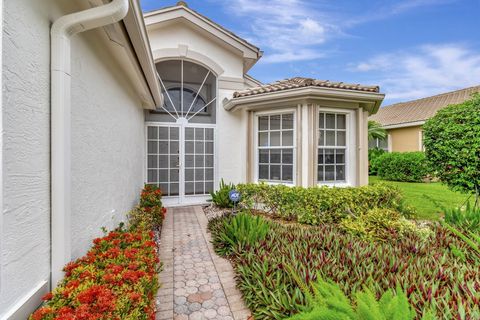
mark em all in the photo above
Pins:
pixel 375 131
pixel 452 146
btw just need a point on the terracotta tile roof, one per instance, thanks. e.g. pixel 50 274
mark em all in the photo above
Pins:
pixel 421 109
pixel 298 82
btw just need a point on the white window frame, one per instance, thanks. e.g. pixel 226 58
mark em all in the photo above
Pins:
pixel 350 147
pixel 256 145
pixel 377 143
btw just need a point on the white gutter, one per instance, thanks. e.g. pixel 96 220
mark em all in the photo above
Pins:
pixel 62 30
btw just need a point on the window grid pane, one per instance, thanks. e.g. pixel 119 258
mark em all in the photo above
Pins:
pixel 276 147
pixel 332 147
pixel 162 158
pixel 199 161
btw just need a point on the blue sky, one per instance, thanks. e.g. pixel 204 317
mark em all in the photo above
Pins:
pixel 411 48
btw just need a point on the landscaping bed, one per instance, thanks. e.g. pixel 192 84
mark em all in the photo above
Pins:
pixel 117 278
pixel 372 247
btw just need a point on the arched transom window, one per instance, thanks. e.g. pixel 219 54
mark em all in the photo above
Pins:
pixel 189 88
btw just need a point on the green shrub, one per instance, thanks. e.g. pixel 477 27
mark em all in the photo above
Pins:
pixel 239 232
pixel 467 218
pixel 373 155
pixel 221 197
pixel 452 146
pixel 429 272
pixel 320 204
pixel 149 213
pixel 381 224
pixel 402 166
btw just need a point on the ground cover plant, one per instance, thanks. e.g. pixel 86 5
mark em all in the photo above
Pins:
pixel 429 270
pixel 402 166
pixel 117 278
pixel 428 199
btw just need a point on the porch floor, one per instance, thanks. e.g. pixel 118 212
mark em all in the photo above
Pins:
pixel 195 282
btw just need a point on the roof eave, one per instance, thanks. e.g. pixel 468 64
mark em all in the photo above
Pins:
pixel 137 33
pixel 404 124
pixel 251 53
pixel 369 100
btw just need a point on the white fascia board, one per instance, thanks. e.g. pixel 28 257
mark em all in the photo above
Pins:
pixel 178 12
pixel 137 33
pixel 405 125
pixel 309 93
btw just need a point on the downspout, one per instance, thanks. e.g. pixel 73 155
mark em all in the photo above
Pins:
pixel 62 31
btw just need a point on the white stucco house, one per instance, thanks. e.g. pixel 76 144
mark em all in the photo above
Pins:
pixel 96 103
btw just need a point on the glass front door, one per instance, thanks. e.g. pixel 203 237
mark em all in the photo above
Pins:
pixel 181 161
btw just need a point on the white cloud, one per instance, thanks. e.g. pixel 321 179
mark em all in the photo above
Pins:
pixel 288 30
pixel 296 30
pixel 423 71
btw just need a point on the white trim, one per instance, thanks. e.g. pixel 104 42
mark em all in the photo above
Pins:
pixel 369 100
pixel 27 304
pixel 249 51
pixel 421 146
pixel 1 150
pixel 256 115
pixel 390 147
pixel 351 158
pixel 404 125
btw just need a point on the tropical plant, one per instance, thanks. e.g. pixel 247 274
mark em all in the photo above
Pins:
pixel 428 270
pixel 116 279
pixel 452 146
pixel 402 166
pixel 239 232
pixel 327 301
pixel 382 224
pixel 149 213
pixel 375 131
pixel 221 197
pixel 316 205
pixel 467 218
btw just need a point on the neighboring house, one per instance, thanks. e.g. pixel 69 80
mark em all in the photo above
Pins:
pixel 85 125
pixel 404 121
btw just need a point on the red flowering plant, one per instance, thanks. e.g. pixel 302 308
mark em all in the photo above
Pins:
pixel 150 213
pixel 116 279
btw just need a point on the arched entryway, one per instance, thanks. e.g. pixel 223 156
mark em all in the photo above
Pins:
pixel 181 135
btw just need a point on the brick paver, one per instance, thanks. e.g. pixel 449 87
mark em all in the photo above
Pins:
pixel 195 282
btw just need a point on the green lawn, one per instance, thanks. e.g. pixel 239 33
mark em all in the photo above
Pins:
pixel 419 195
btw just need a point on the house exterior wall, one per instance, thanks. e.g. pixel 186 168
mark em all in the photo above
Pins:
pixel 107 148
pixel 405 139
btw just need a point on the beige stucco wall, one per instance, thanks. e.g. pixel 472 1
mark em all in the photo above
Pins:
pixel 405 139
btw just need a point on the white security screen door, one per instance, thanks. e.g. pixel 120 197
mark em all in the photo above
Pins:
pixel 181 161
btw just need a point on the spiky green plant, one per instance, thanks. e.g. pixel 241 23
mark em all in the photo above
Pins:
pixel 239 232
pixel 430 273
pixel 467 218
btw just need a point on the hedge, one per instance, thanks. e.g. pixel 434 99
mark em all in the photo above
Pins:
pixel 373 155
pixel 117 278
pixel 320 204
pixel 402 166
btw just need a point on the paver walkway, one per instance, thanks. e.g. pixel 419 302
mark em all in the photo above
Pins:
pixel 195 282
